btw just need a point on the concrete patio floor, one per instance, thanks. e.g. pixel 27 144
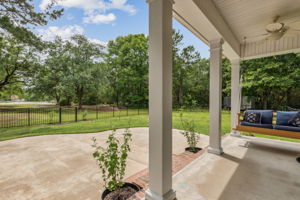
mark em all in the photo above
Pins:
pixel 56 167
pixel 262 169
pixel 61 167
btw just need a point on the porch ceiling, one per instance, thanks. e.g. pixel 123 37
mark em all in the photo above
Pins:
pixel 233 20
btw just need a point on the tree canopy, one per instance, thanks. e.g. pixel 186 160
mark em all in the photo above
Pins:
pixel 17 17
pixel 78 71
pixel 70 71
pixel 127 60
pixel 15 61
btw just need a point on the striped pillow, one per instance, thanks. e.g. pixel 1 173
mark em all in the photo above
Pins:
pixel 274 119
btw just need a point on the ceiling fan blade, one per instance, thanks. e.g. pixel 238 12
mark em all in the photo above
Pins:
pixel 255 36
pixel 292 33
pixel 275 36
pixel 287 16
pixel 294 25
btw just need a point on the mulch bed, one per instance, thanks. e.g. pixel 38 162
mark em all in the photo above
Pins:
pixel 121 194
pixel 195 150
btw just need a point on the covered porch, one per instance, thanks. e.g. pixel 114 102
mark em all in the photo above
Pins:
pixel 251 168
pixel 238 30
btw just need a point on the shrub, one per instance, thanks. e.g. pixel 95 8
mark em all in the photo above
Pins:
pixel 84 115
pixel 189 132
pixel 51 116
pixel 112 160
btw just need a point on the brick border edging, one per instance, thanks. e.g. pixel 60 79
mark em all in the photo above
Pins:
pixel 141 178
pixel 179 162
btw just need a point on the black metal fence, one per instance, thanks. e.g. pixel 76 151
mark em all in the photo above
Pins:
pixel 16 117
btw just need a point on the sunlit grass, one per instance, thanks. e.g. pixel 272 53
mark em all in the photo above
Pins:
pixel 108 122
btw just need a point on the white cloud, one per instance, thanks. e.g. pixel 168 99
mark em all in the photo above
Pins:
pixel 98 8
pixel 65 32
pixel 43 5
pixel 99 19
pixel 121 5
pixel 96 41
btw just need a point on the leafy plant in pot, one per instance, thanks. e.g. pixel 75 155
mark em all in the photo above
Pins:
pixel 189 133
pixel 112 164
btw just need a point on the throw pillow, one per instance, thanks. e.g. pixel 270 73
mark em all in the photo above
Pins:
pixel 295 121
pixel 252 117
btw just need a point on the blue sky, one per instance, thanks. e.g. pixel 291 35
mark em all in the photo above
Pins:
pixel 104 20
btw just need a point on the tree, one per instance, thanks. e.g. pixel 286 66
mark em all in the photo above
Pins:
pixel 127 60
pixel 273 81
pixel 190 77
pixel 70 70
pixel 49 78
pixel 15 61
pixel 18 16
pixel 83 75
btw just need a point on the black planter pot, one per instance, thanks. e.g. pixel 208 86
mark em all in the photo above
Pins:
pixel 196 149
pixel 133 186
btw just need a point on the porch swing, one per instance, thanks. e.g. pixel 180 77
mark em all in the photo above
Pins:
pixel 275 123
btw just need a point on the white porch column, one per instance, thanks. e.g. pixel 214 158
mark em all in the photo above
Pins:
pixel 160 100
pixel 215 97
pixel 235 94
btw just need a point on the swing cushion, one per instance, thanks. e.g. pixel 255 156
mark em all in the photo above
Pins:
pixel 266 115
pixel 287 128
pixel 283 117
pixel 243 123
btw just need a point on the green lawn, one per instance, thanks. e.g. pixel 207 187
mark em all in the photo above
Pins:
pixel 200 117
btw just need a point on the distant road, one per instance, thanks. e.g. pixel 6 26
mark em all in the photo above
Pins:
pixel 26 103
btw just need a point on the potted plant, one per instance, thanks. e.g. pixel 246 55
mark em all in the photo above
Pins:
pixel 189 133
pixel 112 164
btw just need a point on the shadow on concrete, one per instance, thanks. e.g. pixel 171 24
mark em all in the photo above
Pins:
pixel 265 172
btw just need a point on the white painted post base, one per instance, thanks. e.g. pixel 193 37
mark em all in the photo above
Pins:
pixel 150 195
pixel 217 151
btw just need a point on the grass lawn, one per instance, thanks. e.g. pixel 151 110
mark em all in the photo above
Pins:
pixel 200 117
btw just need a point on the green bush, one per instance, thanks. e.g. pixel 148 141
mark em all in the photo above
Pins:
pixel 112 160
pixel 84 115
pixel 189 133
pixel 51 116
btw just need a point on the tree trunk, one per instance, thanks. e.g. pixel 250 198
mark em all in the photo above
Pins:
pixel 79 94
pixel 57 98
pixel 288 97
pixel 265 103
pixel 180 96
pixel 68 100
pixel 180 92
pixel 117 98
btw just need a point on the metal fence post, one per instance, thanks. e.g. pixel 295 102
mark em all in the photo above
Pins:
pixel 28 116
pixel 113 111
pixel 76 109
pixel 59 115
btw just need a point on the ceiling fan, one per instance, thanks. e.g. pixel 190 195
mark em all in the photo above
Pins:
pixel 277 29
